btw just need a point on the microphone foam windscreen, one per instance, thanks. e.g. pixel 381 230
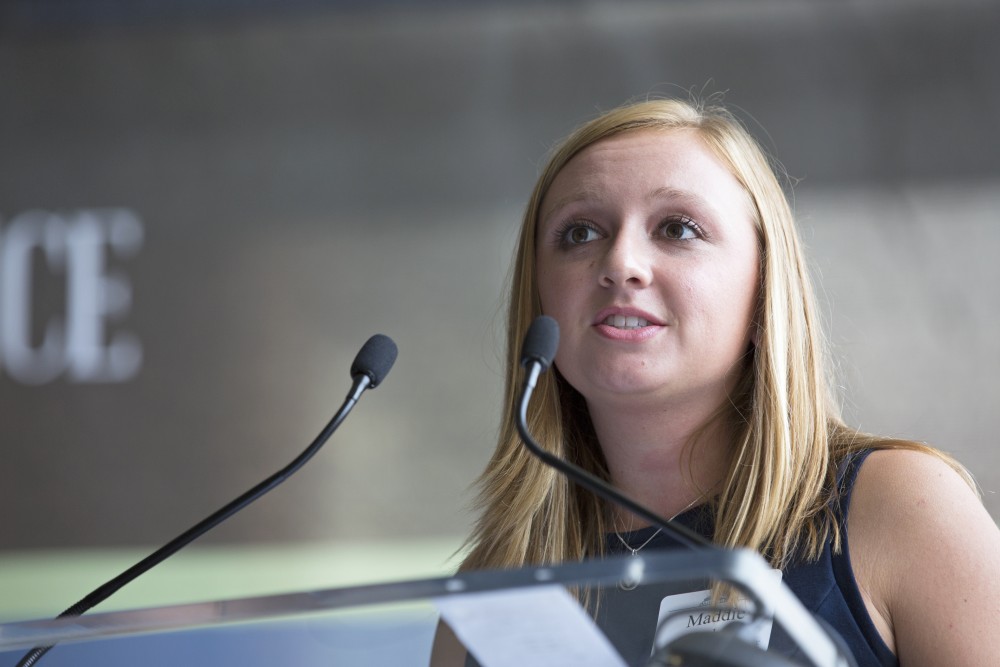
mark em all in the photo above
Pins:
pixel 375 359
pixel 541 341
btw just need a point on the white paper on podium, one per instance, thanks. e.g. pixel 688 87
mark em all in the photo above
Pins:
pixel 541 626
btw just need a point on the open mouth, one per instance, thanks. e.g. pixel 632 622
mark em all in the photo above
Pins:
pixel 625 321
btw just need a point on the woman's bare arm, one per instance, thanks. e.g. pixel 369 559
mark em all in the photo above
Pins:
pixel 926 555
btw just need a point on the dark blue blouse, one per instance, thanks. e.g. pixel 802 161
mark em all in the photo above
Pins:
pixel 826 587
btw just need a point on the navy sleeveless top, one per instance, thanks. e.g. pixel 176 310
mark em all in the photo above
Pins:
pixel 826 587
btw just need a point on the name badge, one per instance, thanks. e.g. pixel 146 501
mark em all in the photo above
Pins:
pixel 692 612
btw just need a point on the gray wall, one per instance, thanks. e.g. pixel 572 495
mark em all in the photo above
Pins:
pixel 301 180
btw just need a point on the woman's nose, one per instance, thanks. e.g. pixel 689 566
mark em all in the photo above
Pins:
pixel 628 263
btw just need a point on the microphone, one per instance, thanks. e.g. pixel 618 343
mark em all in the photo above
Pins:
pixel 369 369
pixel 537 354
pixel 375 360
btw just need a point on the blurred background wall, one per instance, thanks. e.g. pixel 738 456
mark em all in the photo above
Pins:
pixel 207 207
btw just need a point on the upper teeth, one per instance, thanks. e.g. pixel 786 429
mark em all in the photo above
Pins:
pixel 625 322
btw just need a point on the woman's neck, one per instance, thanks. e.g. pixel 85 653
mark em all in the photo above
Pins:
pixel 653 459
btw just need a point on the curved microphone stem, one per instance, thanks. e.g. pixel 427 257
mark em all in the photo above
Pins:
pixel 361 382
pixel 591 482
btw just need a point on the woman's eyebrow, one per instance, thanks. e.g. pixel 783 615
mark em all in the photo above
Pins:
pixel 685 196
pixel 572 198
pixel 695 200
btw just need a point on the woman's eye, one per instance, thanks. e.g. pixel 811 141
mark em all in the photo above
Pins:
pixel 679 229
pixel 579 234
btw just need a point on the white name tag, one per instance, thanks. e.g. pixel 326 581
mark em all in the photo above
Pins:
pixel 693 612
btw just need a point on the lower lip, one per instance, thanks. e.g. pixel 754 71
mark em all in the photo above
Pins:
pixel 629 335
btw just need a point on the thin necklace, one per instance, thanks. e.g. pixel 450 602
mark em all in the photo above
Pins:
pixel 631 585
pixel 635 551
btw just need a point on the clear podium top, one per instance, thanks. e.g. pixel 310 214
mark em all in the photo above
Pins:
pixel 394 623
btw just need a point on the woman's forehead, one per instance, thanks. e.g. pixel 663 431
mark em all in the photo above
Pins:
pixel 651 165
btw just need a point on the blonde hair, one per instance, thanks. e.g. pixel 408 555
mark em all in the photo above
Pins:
pixel 779 493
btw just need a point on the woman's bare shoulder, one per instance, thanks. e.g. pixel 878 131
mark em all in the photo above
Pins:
pixel 926 555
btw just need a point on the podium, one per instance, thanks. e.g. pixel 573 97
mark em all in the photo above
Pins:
pixel 392 624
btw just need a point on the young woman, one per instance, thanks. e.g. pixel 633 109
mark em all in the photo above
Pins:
pixel 690 375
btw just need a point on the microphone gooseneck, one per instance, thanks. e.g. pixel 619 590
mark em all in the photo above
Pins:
pixel 370 367
pixel 537 354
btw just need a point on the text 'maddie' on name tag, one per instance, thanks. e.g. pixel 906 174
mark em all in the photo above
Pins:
pixel 692 612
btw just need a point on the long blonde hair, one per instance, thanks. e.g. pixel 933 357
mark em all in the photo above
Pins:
pixel 779 493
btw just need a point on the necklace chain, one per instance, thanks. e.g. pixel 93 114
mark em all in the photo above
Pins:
pixel 629 584
pixel 635 551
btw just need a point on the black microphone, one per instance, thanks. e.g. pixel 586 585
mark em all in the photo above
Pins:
pixel 370 367
pixel 537 354
pixel 375 360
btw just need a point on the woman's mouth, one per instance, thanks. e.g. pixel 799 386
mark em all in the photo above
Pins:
pixel 625 322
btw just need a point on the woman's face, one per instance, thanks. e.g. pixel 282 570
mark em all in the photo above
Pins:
pixel 648 259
